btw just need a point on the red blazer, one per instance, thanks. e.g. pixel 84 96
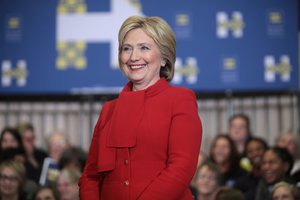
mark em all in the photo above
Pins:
pixel 145 146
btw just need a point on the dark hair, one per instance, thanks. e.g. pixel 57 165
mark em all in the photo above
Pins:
pixel 11 153
pixel 259 140
pixel 226 193
pixel 285 157
pixel 15 133
pixel 40 188
pixel 245 118
pixel 73 155
pixel 234 157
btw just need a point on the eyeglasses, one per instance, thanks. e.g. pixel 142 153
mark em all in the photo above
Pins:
pixel 4 177
pixel 203 176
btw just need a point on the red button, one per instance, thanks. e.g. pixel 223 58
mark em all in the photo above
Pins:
pixel 126 162
pixel 126 183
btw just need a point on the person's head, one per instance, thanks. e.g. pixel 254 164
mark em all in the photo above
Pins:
pixel 239 128
pixel 28 136
pixel 73 157
pixel 255 149
pixel 10 138
pixel 12 178
pixel 276 165
pixel 285 191
pixel 67 184
pixel 146 45
pixel 57 143
pixel 207 178
pixel 289 141
pixel 229 194
pixel 45 193
pixel 17 154
pixel 223 151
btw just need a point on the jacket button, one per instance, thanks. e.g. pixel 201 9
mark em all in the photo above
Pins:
pixel 126 183
pixel 126 162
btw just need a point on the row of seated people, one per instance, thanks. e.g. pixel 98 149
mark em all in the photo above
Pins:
pixel 244 163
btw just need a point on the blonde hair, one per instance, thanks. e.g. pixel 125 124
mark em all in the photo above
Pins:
pixel 291 188
pixel 162 34
pixel 19 169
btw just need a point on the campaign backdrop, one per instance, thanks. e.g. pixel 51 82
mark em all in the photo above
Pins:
pixel 71 47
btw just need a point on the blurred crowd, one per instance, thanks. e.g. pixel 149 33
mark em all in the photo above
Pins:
pixel 238 165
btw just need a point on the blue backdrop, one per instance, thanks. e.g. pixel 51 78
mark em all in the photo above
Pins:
pixel 70 46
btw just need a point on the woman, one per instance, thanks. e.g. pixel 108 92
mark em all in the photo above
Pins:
pixel 45 193
pixel 10 138
pixel 225 155
pixel 12 179
pixel 276 167
pixel 146 142
pixel 207 181
pixel 67 184
pixel 285 191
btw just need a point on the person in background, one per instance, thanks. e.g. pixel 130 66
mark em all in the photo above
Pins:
pixel 255 149
pixel 223 152
pixel 239 131
pixel 46 193
pixel 226 193
pixel 57 144
pixel 202 157
pixel 290 141
pixel 285 191
pixel 12 179
pixel 146 142
pixel 35 156
pixel 10 138
pixel 73 157
pixel 67 184
pixel 207 181
pixel 276 167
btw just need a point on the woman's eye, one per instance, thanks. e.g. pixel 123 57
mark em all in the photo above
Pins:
pixel 126 48
pixel 145 48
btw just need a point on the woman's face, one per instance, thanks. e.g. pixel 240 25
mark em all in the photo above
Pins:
pixel 289 142
pixel 9 183
pixel 206 181
pixel 45 194
pixel 282 193
pixel 238 130
pixel 140 58
pixel 221 151
pixel 66 189
pixel 273 168
pixel 9 141
pixel 255 151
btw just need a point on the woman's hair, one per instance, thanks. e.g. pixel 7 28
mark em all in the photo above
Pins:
pixel 41 188
pixel 15 133
pixel 19 169
pixel 73 155
pixel 234 157
pixel 213 167
pixel 243 117
pixel 226 193
pixel 284 156
pixel 162 34
pixel 291 188
pixel 259 140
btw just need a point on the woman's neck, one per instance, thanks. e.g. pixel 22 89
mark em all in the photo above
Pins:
pixel 10 197
pixel 224 167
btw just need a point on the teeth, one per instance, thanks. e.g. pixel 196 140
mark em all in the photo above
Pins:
pixel 137 66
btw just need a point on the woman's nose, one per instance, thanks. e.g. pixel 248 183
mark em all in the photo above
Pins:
pixel 135 55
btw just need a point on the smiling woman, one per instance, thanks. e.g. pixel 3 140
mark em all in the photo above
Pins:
pixel 146 142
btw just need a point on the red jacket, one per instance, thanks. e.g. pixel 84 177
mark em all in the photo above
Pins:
pixel 145 146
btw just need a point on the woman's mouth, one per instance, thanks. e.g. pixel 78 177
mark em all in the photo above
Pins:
pixel 134 67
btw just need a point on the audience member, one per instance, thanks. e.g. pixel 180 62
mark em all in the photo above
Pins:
pixel 226 193
pixel 276 167
pixel 46 193
pixel 12 179
pixel 223 152
pixel 202 157
pixel 73 157
pixel 207 181
pixel 255 149
pixel 10 138
pixel 239 131
pixel 67 184
pixel 285 191
pixel 35 156
pixel 290 141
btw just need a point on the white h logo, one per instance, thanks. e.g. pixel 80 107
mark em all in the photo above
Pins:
pixel 283 68
pixel 224 24
pixel 19 73
pixel 190 71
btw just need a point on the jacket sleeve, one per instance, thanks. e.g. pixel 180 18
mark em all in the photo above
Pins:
pixel 90 181
pixel 184 146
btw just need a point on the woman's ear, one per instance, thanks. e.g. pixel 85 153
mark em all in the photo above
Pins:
pixel 163 62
